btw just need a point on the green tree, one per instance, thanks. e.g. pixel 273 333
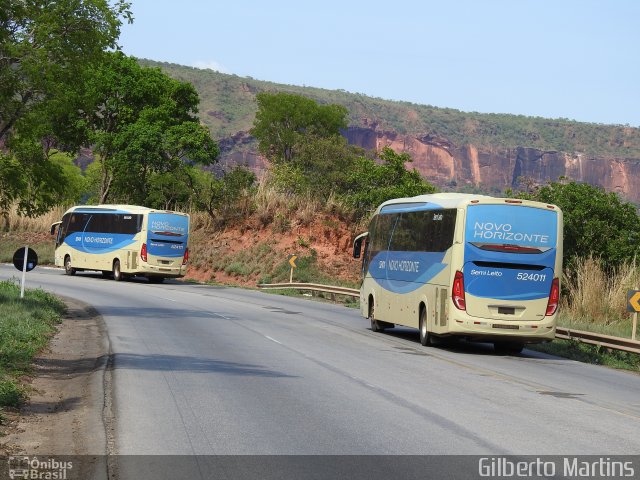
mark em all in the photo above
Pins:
pixel 46 46
pixel 142 123
pixel 219 196
pixel 33 182
pixel 45 51
pixel 369 183
pixel 282 118
pixel 595 222
pixel 319 167
pixel 170 190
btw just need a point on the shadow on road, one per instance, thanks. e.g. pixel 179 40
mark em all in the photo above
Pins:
pixel 173 363
pixel 156 362
pixel 455 345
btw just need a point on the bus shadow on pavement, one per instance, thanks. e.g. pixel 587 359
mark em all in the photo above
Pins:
pixel 452 344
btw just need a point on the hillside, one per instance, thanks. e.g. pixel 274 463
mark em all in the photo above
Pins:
pixel 452 149
pixel 231 256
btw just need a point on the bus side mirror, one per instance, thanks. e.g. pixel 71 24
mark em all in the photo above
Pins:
pixel 53 227
pixel 357 244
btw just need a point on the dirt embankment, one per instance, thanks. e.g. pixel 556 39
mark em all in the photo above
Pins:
pixel 244 253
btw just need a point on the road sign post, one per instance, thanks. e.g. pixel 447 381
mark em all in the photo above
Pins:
pixel 633 305
pixel 292 262
pixel 25 260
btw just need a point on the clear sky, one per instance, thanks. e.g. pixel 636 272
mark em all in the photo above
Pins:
pixel 575 59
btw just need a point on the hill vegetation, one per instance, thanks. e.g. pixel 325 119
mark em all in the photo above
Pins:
pixel 228 106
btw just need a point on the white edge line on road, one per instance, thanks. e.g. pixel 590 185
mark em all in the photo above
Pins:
pixel 273 339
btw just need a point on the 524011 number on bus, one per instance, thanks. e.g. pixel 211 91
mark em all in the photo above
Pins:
pixel 531 277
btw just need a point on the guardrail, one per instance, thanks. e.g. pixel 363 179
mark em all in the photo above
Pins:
pixel 314 287
pixel 606 341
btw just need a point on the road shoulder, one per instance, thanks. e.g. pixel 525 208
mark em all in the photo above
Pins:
pixel 64 414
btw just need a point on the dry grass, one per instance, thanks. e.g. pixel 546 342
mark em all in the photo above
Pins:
pixel 595 296
pixel 19 223
pixel 284 210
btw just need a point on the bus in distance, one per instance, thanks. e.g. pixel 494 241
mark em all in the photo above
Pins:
pixel 122 241
pixel 460 265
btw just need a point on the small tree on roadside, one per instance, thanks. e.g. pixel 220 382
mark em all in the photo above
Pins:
pixel 369 183
pixel 219 196
pixel 142 123
pixel 283 119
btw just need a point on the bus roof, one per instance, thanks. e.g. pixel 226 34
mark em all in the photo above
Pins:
pixel 119 208
pixel 452 200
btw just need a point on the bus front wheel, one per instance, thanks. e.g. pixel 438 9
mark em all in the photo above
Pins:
pixel 425 337
pixel 117 273
pixel 68 269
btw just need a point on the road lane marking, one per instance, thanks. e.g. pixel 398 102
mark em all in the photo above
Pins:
pixel 273 339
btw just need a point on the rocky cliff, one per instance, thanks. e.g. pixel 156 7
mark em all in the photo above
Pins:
pixel 454 166
pixel 454 150
pixel 445 164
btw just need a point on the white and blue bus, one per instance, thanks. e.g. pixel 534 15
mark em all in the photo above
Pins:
pixel 471 266
pixel 122 241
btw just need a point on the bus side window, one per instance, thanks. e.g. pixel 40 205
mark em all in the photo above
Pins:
pixel 77 223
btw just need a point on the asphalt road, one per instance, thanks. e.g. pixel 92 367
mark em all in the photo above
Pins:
pixel 212 370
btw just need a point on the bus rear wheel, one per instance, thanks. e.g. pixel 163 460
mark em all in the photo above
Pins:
pixel 117 273
pixel 508 348
pixel 375 325
pixel 426 339
pixel 68 269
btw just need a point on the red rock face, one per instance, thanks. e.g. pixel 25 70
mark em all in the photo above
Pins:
pixel 442 163
pixel 447 165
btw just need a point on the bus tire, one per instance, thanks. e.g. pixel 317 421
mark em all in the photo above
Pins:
pixel 375 325
pixel 68 269
pixel 508 348
pixel 426 339
pixel 117 273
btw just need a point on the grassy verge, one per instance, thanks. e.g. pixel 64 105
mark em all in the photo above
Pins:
pixel 593 354
pixel 42 244
pixel 25 327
